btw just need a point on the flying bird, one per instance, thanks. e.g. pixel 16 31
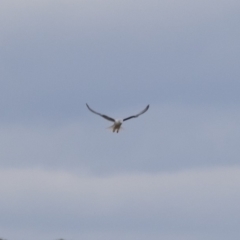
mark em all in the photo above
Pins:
pixel 118 122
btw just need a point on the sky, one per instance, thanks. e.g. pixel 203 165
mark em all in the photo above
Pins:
pixel 173 173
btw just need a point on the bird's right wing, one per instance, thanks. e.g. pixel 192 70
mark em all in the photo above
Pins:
pixel 102 115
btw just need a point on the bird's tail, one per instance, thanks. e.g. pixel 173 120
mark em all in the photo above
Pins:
pixel 113 129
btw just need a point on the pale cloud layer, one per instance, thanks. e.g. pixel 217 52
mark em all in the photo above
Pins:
pixel 197 203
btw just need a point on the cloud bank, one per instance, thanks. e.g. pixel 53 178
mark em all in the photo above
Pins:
pixel 192 204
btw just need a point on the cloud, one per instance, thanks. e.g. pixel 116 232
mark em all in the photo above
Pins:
pixel 63 175
pixel 99 12
pixel 197 203
pixel 56 56
pixel 167 137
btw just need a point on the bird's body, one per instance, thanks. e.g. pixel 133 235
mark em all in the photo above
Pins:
pixel 117 125
pixel 117 122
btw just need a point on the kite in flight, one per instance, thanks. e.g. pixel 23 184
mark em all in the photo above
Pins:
pixel 118 122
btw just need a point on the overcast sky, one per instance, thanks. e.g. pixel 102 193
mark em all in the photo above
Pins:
pixel 172 173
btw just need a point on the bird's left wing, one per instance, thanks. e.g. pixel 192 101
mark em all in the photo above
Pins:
pixel 102 115
pixel 134 116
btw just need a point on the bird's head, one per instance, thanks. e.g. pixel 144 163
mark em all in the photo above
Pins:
pixel 119 121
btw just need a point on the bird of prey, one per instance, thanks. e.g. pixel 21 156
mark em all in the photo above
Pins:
pixel 118 122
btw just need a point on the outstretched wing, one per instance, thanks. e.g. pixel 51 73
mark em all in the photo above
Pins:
pixel 134 116
pixel 102 115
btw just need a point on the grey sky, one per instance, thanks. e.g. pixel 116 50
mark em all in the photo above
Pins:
pixel 172 173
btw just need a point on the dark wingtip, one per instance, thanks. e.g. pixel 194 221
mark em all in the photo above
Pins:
pixel 88 107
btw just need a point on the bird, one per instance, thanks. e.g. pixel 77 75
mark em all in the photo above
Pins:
pixel 118 122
